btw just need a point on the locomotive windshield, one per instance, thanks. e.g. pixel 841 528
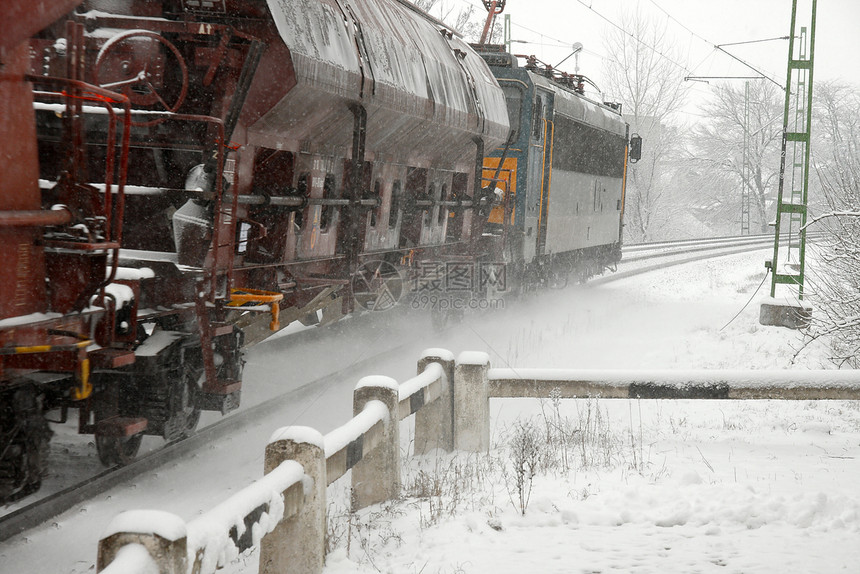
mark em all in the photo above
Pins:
pixel 514 99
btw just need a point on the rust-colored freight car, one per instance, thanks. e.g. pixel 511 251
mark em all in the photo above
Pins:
pixel 183 176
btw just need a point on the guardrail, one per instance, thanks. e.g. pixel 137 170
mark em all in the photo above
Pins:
pixel 283 514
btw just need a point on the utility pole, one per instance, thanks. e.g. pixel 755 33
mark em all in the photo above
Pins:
pixel 745 170
pixel 791 209
pixel 746 165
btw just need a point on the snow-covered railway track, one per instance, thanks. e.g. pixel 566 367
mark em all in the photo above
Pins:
pixel 638 259
pixel 640 251
pixel 645 257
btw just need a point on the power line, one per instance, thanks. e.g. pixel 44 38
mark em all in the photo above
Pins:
pixel 704 78
pixel 750 66
pixel 670 17
pixel 557 45
pixel 623 31
pixel 561 43
pixel 720 46
pixel 705 59
pixel 755 41
pixel 620 28
pixel 678 22
pixel 610 22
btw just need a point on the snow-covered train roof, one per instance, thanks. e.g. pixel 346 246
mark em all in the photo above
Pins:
pixel 400 64
pixel 580 108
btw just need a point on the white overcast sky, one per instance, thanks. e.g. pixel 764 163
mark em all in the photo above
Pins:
pixel 696 25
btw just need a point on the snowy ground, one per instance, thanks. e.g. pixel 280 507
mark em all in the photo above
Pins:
pixel 655 486
pixel 637 486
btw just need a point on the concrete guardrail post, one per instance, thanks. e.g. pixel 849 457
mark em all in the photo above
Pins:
pixel 376 477
pixel 162 534
pixel 297 544
pixel 434 422
pixel 472 402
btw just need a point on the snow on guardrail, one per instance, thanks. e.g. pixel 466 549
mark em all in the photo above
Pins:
pixel 132 559
pixel 676 384
pixel 219 536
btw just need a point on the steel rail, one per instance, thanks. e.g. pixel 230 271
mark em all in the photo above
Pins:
pixel 684 243
pixel 692 247
pixel 687 252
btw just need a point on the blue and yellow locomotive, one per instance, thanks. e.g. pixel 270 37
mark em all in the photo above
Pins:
pixel 560 180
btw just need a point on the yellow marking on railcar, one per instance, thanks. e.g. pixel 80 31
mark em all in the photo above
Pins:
pixel 254 297
pixel 507 174
pixel 624 185
pixel 545 178
pixel 315 226
pixel 35 349
pixel 83 376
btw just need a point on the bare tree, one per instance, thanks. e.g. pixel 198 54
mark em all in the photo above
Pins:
pixel 837 140
pixel 699 203
pixel 717 147
pixel 642 71
pixel 834 271
pixel 466 20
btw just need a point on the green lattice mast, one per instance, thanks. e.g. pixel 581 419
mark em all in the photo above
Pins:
pixel 791 206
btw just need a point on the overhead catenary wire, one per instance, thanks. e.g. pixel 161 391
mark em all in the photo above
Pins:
pixel 630 34
pixel 678 22
pixel 615 25
pixel 755 41
pixel 686 68
pixel 477 4
pixel 703 39
pixel 559 43
pixel 750 66
pixel 720 46
pixel 563 44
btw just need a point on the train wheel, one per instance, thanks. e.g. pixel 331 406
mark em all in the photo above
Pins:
pixel 441 319
pixel 582 275
pixel 120 450
pixel 559 274
pixel 189 406
pixel 558 279
pixel 438 319
pixel 184 407
pixel 24 450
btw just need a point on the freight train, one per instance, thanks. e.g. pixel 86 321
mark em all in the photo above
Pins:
pixel 183 177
